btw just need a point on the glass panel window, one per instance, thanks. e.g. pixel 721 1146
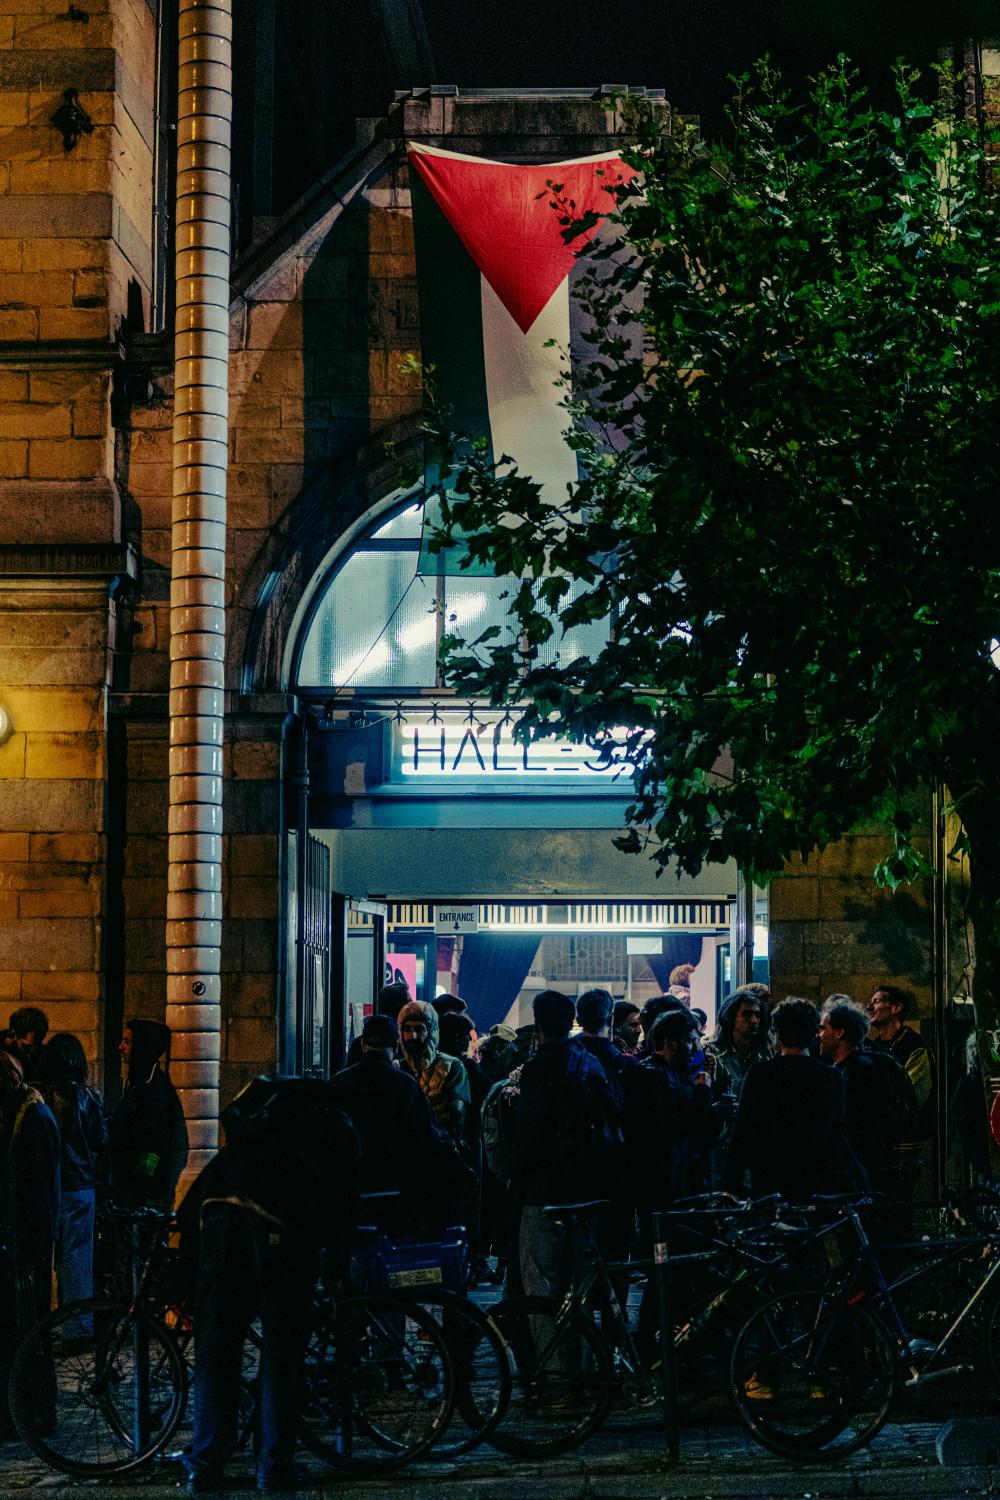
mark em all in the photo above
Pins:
pixel 578 640
pixel 407 524
pixel 472 605
pixel 380 619
pixel 375 627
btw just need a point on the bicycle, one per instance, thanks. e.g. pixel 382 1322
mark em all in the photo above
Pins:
pixel 379 1385
pixel 434 1276
pixel 111 1398
pixel 568 1371
pixel 814 1371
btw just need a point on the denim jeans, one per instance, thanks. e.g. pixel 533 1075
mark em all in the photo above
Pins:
pixel 75 1254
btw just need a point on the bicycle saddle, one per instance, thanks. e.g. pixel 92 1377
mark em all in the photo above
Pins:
pixel 577 1211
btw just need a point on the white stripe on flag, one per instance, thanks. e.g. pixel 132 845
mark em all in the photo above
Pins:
pixel 526 418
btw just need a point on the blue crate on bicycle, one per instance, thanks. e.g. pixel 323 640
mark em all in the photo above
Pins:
pixel 397 1266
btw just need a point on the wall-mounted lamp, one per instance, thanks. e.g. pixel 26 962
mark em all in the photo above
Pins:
pixel 6 725
pixel 71 119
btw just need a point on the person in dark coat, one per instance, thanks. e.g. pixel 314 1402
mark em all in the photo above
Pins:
pixel 399 1141
pixel 61 1076
pixel 626 1028
pixel 562 1088
pixel 254 1223
pixel 595 1012
pixel 789 1127
pixel 668 1126
pixel 29 1218
pixel 842 1032
pixel 148 1136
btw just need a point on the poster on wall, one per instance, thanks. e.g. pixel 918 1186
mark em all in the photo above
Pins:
pixel 401 968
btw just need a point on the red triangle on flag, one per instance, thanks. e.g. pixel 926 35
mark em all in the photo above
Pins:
pixel 502 212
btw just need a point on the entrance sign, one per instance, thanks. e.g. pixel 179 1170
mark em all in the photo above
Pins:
pixel 456 919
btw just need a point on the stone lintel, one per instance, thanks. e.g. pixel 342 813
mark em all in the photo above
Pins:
pixel 64 512
pixel 82 560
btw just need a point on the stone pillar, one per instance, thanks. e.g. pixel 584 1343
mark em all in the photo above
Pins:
pixel 75 257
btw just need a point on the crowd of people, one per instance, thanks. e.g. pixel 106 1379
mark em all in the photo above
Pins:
pixel 601 1099
pixel 594 1099
pixel 58 1151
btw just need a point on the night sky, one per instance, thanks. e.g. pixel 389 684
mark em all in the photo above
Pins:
pixel 687 49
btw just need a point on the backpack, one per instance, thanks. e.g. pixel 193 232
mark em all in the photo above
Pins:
pixel 497 1123
pixel 896 1118
pixel 589 1128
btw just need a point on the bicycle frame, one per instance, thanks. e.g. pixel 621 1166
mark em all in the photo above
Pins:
pixel 595 1286
pixel 849 1291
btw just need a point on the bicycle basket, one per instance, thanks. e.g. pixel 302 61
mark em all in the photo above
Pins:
pixel 397 1266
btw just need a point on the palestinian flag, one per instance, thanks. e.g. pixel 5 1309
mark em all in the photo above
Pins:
pixel 496 281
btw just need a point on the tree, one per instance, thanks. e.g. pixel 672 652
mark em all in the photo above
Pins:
pixel 795 525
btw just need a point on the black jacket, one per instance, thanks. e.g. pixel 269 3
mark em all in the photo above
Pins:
pixel 83 1135
pixel 789 1131
pixel 613 1060
pixel 555 1083
pixel 300 1181
pixel 668 1125
pixel 29 1177
pixel 393 1120
pixel 149 1144
pixel 865 1124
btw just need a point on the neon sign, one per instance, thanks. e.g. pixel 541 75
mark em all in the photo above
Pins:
pixel 456 747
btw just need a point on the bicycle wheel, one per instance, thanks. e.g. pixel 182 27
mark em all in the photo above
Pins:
pixel 563 1382
pixel 87 1407
pixel 379 1384
pixel 481 1366
pixel 812 1380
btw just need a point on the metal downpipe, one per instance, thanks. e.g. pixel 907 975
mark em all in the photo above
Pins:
pixel 198 565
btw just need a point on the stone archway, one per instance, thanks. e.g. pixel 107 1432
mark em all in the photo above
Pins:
pixel 329 509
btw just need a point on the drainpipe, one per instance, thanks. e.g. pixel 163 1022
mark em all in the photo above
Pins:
pixel 198 565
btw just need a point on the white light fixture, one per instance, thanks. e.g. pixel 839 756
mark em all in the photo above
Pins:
pixel 6 725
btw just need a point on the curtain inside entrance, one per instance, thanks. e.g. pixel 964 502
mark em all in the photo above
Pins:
pixel 678 948
pixel 492 969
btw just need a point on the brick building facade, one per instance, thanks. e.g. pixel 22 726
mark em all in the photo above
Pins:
pixel 324 424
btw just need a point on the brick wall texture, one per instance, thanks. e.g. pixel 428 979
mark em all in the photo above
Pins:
pixel 320 344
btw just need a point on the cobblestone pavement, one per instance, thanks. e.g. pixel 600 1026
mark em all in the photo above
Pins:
pixel 623 1461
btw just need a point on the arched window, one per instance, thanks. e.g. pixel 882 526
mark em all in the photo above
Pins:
pixel 379 618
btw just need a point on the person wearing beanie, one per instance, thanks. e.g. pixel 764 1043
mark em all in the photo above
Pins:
pixel 147 1133
pixel 441 1077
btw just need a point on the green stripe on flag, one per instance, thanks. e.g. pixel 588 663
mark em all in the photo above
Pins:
pixel 451 345
pixel 451 316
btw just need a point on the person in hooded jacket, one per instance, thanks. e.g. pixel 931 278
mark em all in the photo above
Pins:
pixel 442 1078
pixel 253 1224
pixel 29 1218
pixel 148 1136
pixel 61 1076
